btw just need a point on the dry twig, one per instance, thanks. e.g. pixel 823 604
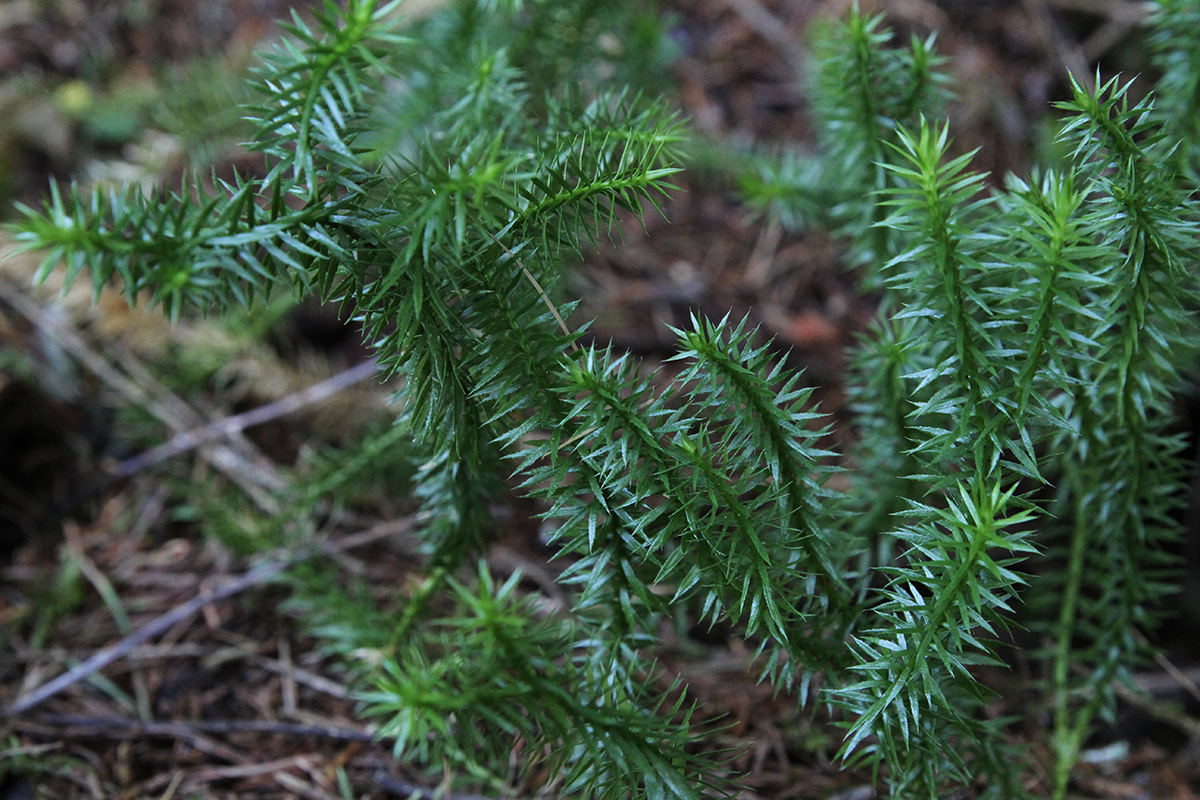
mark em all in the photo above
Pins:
pixel 228 426
pixel 770 27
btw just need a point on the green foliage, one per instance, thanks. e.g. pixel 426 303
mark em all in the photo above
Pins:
pixel 864 90
pixel 202 108
pixel 1016 456
pixel 1034 333
pixel 493 667
pixel 1176 52
pixel 1123 403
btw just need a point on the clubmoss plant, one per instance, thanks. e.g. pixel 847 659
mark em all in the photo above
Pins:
pixel 1031 335
pixel 1176 52
pixel 1016 450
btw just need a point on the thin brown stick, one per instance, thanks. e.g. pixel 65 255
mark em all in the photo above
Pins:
pixel 222 428
pixel 562 324
pixel 176 779
pixel 1163 712
pixel 1181 678
pixel 296 675
pixel 244 770
pixel 69 725
pixel 164 622
pixel 301 787
pixel 764 22
pixel 1068 53
pixel 25 751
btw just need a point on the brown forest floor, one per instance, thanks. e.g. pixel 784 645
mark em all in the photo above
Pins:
pixel 193 680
